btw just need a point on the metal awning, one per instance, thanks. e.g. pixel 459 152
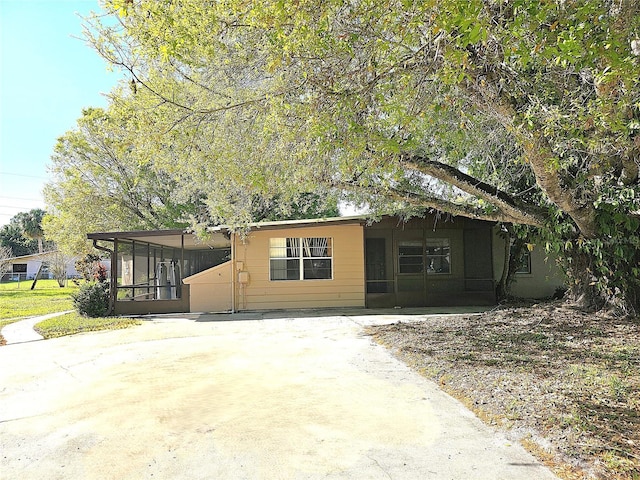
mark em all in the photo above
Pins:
pixel 166 238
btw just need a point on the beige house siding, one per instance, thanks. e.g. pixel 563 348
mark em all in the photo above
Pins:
pixel 255 291
pixel 545 277
pixel 211 289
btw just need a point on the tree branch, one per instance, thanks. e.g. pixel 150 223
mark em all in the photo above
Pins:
pixel 427 201
pixel 547 178
pixel 509 206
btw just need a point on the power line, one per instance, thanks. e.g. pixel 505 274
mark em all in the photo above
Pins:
pixel 21 198
pixel 14 207
pixel 23 175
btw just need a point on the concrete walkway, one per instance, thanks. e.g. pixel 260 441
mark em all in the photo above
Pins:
pixel 22 331
pixel 215 397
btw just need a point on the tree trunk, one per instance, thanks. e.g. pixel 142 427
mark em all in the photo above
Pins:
pixel 502 287
pixel 513 249
pixel 581 281
pixel 583 214
pixel 35 279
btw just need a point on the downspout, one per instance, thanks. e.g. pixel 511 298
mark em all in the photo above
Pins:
pixel 364 273
pixel 182 274
pixel 114 274
pixel 233 272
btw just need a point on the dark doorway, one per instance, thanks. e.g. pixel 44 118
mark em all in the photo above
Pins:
pixel 376 265
pixel 478 261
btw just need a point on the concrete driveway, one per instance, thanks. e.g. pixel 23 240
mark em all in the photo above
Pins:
pixel 249 397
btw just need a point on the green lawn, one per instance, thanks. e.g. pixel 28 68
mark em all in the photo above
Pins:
pixel 71 323
pixel 18 301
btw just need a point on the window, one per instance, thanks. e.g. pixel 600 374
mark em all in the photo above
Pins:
pixel 300 258
pixel 438 256
pixel 410 258
pixel 434 257
pixel 19 268
pixel 523 263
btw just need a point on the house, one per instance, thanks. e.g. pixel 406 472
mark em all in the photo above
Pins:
pixel 317 263
pixel 26 267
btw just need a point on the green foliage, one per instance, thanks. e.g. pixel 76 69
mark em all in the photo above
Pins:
pixel 308 205
pixel 86 266
pixel 92 299
pixel 124 168
pixel 105 179
pixel 14 236
pixel 72 323
pixel 31 225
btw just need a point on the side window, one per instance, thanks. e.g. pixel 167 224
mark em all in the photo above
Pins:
pixel 524 263
pixel 316 258
pixel 300 258
pixel 438 256
pixel 410 257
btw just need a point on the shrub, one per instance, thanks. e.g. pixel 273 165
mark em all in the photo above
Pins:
pixel 92 299
pixel 86 265
pixel 100 272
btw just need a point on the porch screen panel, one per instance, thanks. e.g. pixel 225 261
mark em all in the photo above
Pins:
pixel 141 274
pixel 478 263
pixel 410 259
pixel 438 255
pixel 376 266
pixel 124 266
pixel 300 258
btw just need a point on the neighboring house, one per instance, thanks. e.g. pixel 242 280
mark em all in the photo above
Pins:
pixel 333 262
pixel 26 267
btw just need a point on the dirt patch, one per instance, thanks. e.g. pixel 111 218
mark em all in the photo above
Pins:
pixel 564 382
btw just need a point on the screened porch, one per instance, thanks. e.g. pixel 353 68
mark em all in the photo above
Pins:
pixel 147 268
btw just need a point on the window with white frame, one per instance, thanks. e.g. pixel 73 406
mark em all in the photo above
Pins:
pixel 306 258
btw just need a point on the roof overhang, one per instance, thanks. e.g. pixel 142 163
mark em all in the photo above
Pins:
pixel 32 256
pixel 307 222
pixel 166 238
pixel 218 236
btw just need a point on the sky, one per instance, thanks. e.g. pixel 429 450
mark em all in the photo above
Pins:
pixel 47 76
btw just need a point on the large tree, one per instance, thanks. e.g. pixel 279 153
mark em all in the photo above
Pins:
pixel 125 168
pixel 12 237
pixel 105 178
pixel 523 112
pixel 5 263
pixel 23 233
pixel 31 225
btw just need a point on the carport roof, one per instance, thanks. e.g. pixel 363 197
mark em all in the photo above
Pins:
pixel 167 238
